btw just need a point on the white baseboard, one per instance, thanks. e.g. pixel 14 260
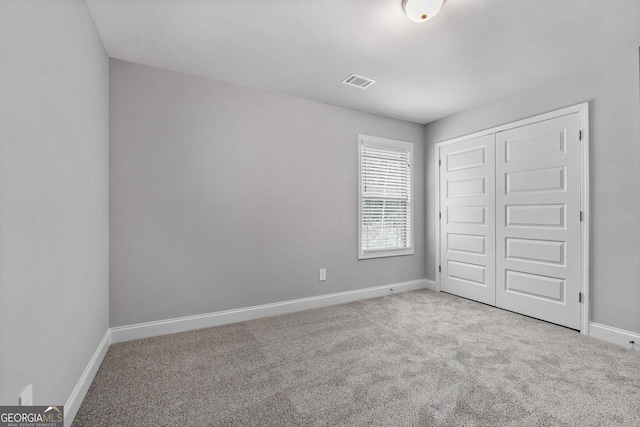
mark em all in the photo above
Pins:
pixel 430 284
pixel 614 335
pixel 80 390
pixel 182 324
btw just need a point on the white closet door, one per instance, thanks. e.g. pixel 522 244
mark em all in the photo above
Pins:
pixel 538 220
pixel 467 227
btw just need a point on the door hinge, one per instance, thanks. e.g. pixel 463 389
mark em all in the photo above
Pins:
pixel 439 162
pixel 440 215
pixel 581 216
pixel 580 135
pixel 439 269
pixel 579 296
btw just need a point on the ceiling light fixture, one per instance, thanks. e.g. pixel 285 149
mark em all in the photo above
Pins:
pixel 421 10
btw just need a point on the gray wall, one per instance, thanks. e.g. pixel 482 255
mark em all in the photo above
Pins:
pixel 53 196
pixel 613 92
pixel 223 196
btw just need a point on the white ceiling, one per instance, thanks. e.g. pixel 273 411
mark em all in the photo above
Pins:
pixel 474 51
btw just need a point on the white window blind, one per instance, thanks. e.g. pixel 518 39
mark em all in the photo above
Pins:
pixel 385 197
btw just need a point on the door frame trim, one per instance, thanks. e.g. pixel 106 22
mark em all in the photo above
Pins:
pixel 583 112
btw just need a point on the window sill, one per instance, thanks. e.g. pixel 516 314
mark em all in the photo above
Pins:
pixel 385 254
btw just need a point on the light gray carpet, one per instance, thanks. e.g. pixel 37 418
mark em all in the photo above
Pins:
pixel 411 359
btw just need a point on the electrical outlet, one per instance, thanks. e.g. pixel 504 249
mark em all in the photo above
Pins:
pixel 323 274
pixel 26 397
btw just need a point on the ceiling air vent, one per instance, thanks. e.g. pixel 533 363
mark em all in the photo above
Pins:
pixel 358 81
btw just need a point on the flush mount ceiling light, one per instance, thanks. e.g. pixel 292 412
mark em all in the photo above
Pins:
pixel 421 10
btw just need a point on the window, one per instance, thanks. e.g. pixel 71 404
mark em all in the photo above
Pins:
pixel 385 205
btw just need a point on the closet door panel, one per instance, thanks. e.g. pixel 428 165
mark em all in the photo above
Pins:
pixel 538 220
pixel 467 228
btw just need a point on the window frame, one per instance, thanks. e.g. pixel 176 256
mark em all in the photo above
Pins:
pixel 391 145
